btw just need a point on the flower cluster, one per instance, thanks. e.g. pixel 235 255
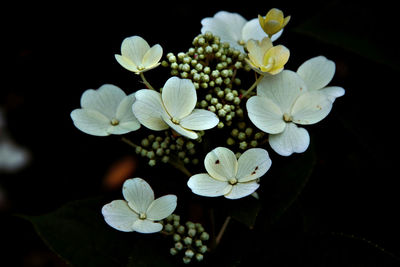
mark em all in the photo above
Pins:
pixel 211 95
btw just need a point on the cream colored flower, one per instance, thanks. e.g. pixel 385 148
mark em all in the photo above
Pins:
pixel 273 22
pixel 137 56
pixel 264 58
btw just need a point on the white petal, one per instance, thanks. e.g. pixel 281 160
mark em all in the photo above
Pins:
pixel 317 72
pixel 147 226
pixel 282 88
pixel 119 216
pixel 265 114
pixel 134 48
pixel 311 107
pixel 127 63
pixel 148 109
pixel 240 190
pixel 91 122
pixel 253 30
pixel 161 208
pixel 221 164
pixel 252 164
pixel 276 35
pixel 204 185
pixel 179 129
pixel 138 193
pixel 333 92
pixel 152 56
pixel 105 100
pixel 292 140
pixel 228 26
pixel 127 120
pixel 200 119
pixel 179 97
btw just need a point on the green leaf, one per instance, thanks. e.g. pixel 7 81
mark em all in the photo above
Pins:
pixel 284 183
pixel 78 233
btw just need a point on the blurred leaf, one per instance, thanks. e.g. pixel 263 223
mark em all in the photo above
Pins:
pixel 287 180
pixel 78 233
pixel 244 210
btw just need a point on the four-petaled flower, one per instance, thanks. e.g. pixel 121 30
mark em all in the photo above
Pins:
pixel 283 101
pixel 228 176
pixel 105 111
pixel 273 22
pixel 264 58
pixel 139 211
pixel 137 56
pixel 317 72
pixel 174 107
pixel 232 28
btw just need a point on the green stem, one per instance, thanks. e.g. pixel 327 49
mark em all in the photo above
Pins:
pixel 222 231
pixel 146 82
pixel 129 142
pixel 253 86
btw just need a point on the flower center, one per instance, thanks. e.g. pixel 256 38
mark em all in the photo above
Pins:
pixel 287 117
pixel 140 68
pixel 142 216
pixel 114 122
pixel 176 121
pixel 241 42
pixel 232 181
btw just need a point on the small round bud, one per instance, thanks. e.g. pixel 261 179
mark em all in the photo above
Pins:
pixel 173 251
pixel 253 143
pixel 212 108
pixel 164 63
pixel 151 154
pixel 230 141
pixel 138 149
pixel 198 243
pixel 168 227
pixel 208 97
pixel 220 125
pixel 203 103
pixel 190 225
pixel 241 136
pixel 214 101
pixel 181 229
pixel 235 132
pixel 218 106
pixel 220 94
pixel 176 237
pixel 178 245
pixel 152 162
pixel 243 145
pixel 169 218
pixel 202 249
pixel 189 253
pixel 229 96
pixel 224 73
pixel 204 236
pixel 186 260
pixel 199 257
pixel 248 131
pixel 192 232
pixel 165 159
pixel 199 67
pixel 145 142
pixel 221 113
pixel 187 240
pixel 176 217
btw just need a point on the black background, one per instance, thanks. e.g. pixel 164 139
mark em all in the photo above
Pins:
pixel 52 53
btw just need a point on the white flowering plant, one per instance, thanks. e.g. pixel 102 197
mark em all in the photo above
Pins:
pixel 228 129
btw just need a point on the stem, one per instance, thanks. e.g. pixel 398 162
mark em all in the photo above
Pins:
pixel 222 231
pixel 253 86
pixel 129 142
pixel 146 82
pixel 180 166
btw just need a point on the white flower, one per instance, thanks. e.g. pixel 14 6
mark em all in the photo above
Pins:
pixel 228 176
pixel 317 72
pixel 137 56
pixel 139 211
pixel 105 111
pixel 232 28
pixel 174 108
pixel 283 101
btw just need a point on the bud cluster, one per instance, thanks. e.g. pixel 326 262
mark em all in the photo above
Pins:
pixel 190 239
pixel 163 148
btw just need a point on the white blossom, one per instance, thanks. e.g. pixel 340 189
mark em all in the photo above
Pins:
pixel 318 72
pixel 174 107
pixel 137 55
pixel 139 211
pixel 232 28
pixel 105 111
pixel 282 102
pixel 228 176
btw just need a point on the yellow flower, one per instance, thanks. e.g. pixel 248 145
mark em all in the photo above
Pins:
pixel 265 58
pixel 273 21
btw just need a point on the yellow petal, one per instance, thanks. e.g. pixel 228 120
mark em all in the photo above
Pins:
pixel 285 21
pixel 275 14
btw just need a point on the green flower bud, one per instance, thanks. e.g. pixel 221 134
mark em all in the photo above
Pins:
pixel 243 145
pixel 218 106
pixel 176 224
pixel 208 97
pixel 190 225
pixel 186 260
pixel 176 237
pixel 199 257
pixel 138 149
pixel 253 143
pixel 258 135
pixel 184 75
pixel 187 240
pixel 165 159
pixel 186 160
pixel 201 41
pixel 203 103
pixel 178 245
pixel 195 161
pixel 239 112
pixel 191 51
pixel 214 101
pixel 221 113
pixel 207 70
pixel 189 253
pixel 212 108
pixel 169 218
pixel 220 94
pixel 241 136
pixel 181 229
pixel 229 96
pixel 168 227
pixel 220 125
pixel 215 73
pixel 204 236
pixel 204 85
pixel 198 243
pixel 143 153
pixel 174 72
pixel 186 60
pixel 230 141
pixel 181 55
pixel 151 154
pixel 202 249
pixel 208 49
pixel 176 217
pixel 192 232
pixel 159 152
pixel 224 73
pixel 164 63
pixel 196 77
pixel 145 142
pixel 173 251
